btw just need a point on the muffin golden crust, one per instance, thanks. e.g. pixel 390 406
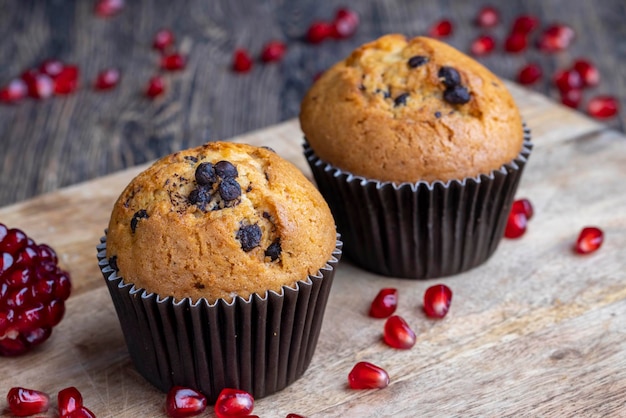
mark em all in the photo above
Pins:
pixel 217 221
pixel 411 110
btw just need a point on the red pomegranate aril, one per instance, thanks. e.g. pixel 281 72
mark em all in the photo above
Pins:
pixel 242 63
pixel 603 107
pixel 588 72
pixel 366 375
pixel 69 400
pixel 108 8
pixel 437 301
pixel 516 225
pixel 482 45
pixel 273 51
pixel 107 79
pixel 14 240
pixel 51 67
pixel 525 24
pixel 566 80
pixel 67 80
pixel 155 87
pixel 29 75
pixel 163 39
pixel 556 37
pixel 589 240
pixel 24 402
pixel 572 98
pixel 233 403
pixel 82 412
pixel 173 62
pixel 295 416
pixel 441 29
pixel 41 87
pixel 487 17
pixel 515 42
pixel 184 402
pixel 345 24
pixel 523 206
pixel 398 334
pixel 319 31
pixel 385 303
pixel 529 74
pixel 14 91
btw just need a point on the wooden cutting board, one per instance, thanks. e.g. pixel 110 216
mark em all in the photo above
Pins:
pixel 536 331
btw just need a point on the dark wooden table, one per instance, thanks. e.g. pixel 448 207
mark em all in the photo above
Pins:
pixel 52 143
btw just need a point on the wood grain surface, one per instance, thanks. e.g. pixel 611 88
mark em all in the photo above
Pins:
pixel 536 331
pixel 46 145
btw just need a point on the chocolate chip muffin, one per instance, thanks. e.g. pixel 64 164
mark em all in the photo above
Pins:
pixel 418 150
pixel 219 261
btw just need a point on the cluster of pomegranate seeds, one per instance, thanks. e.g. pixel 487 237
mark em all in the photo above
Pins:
pixel 343 26
pixel 437 301
pixel 184 402
pixel 441 29
pixel 233 403
pixel 33 290
pixel 589 240
pixel 521 212
pixel 385 303
pixel 52 77
pixel 108 8
pixel 24 402
pixel 366 375
pixel 398 334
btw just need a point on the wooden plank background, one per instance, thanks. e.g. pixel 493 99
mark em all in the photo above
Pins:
pixel 54 143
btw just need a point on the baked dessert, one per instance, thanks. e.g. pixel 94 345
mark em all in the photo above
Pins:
pixel 419 150
pixel 209 254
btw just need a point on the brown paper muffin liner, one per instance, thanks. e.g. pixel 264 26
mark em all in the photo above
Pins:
pixel 260 345
pixel 420 230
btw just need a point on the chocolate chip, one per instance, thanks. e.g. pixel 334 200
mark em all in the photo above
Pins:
pixel 437 115
pixel 200 196
pixel 417 61
pixel 401 99
pixel 191 158
pixel 113 262
pixel 226 170
pixel 249 236
pixel 456 95
pixel 229 189
pixel 140 214
pixel 449 76
pixel 385 93
pixel 274 250
pixel 205 174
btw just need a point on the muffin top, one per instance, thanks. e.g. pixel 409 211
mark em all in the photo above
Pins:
pixel 217 221
pixel 411 110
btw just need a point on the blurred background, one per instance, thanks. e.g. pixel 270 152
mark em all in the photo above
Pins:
pixel 92 126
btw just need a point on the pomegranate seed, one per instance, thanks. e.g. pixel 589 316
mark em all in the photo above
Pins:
pixel 69 400
pixel 482 45
pixel 173 62
pixel 588 72
pixel 14 91
pixel 572 98
pixel 67 80
pixel 81 412
pixel 487 17
pixel 525 24
pixel 41 86
pixel 516 225
pixel 345 24
pixel 51 67
pixel 529 74
pixel 319 31
pixel 556 38
pixel 155 87
pixel 273 51
pixel 523 206
pixel 233 403
pixel 515 42
pixel 24 402
pixel 294 416
pixel 184 402
pixel 437 301
pixel 566 80
pixel 589 240
pixel 366 375
pixel 108 8
pixel 385 303
pixel 163 39
pixel 602 107
pixel 398 334
pixel 441 29
pixel 107 79
pixel 242 63
pixel 29 75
